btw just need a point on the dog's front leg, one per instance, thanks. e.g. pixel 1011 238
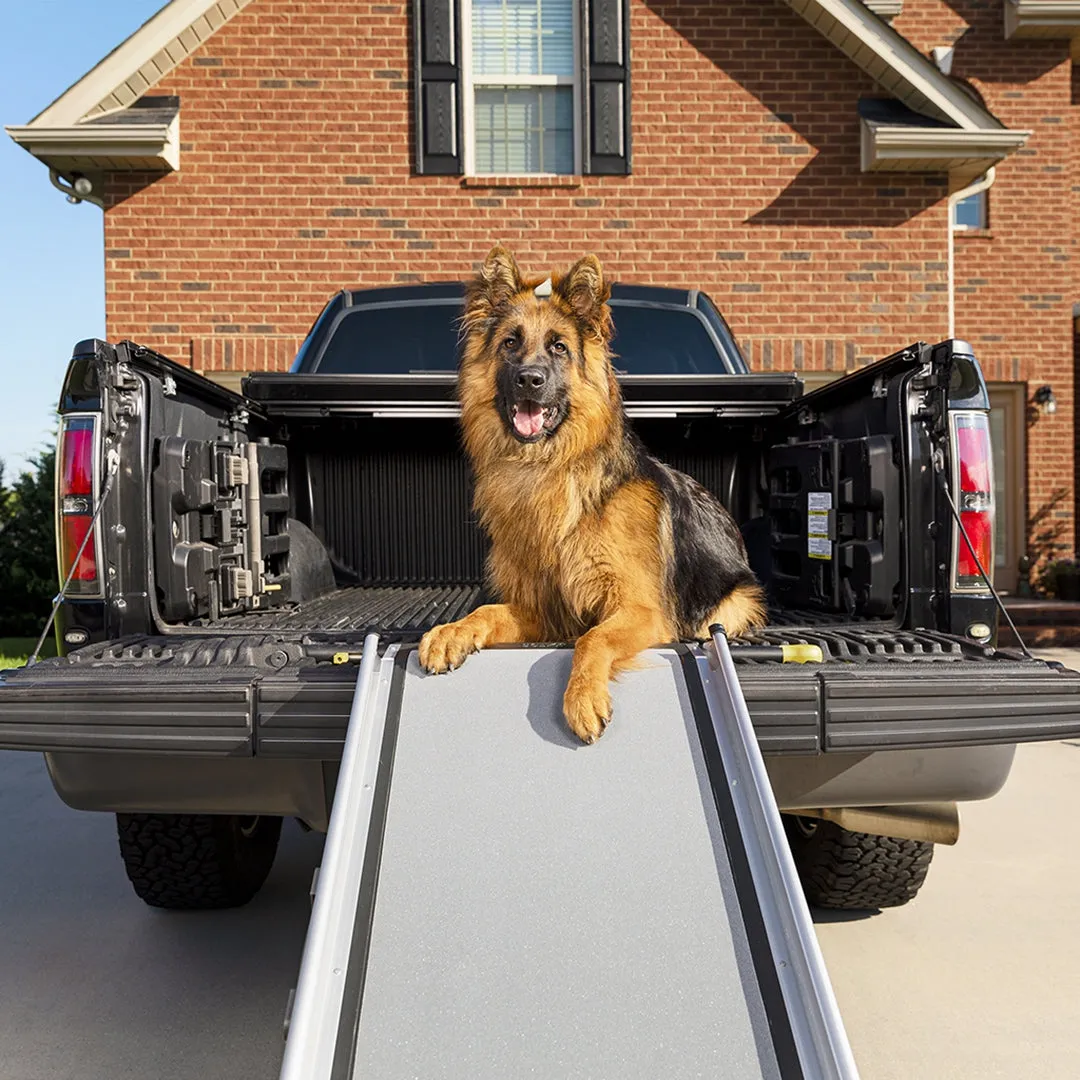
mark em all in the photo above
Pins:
pixel 446 647
pixel 601 653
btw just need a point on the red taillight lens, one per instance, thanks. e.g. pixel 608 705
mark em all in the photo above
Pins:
pixel 75 491
pixel 77 468
pixel 979 526
pixel 74 528
pixel 973 450
pixel 974 494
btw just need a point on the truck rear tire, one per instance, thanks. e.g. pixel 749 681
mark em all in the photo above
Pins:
pixel 855 871
pixel 197 862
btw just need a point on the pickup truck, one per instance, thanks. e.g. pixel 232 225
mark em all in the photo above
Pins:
pixel 244 544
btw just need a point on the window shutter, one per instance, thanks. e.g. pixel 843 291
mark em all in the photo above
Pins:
pixel 437 43
pixel 606 86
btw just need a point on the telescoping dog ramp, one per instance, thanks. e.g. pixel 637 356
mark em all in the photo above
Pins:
pixel 498 901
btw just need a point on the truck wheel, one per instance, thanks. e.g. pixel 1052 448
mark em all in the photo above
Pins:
pixel 854 870
pixel 197 862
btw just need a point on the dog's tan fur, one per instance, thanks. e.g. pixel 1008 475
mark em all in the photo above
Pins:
pixel 573 558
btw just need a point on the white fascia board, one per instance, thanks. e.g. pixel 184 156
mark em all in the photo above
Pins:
pixel 889 58
pixel 160 142
pixel 886 9
pixel 1042 18
pixel 162 42
pixel 897 147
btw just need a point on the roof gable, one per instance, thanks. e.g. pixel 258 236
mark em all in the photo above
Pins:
pixel 164 41
pixel 893 62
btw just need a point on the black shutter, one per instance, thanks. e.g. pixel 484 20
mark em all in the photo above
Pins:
pixel 437 81
pixel 606 86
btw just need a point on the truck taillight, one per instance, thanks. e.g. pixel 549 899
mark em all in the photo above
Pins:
pixel 973 483
pixel 76 496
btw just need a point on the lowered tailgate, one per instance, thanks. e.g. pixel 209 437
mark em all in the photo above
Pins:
pixel 240 695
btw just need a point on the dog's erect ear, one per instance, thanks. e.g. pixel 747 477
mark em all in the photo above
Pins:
pixel 584 289
pixel 497 283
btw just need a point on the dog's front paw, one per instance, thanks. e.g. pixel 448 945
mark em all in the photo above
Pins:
pixel 446 647
pixel 587 707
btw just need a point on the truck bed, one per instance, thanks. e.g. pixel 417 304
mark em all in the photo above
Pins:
pixel 404 613
pixel 392 609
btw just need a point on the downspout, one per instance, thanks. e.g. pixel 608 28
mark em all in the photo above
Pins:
pixel 976 188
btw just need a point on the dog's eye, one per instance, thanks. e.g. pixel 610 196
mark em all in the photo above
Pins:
pixel 510 343
pixel 558 347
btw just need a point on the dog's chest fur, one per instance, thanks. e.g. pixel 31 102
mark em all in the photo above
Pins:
pixel 551 550
pixel 566 550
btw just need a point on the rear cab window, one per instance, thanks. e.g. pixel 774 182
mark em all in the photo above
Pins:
pixel 420 336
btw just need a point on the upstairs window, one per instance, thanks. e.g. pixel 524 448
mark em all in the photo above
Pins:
pixel 519 87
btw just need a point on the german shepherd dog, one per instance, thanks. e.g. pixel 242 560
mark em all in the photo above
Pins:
pixel 592 540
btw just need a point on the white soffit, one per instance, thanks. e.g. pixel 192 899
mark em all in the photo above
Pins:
pixel 887 9
pixel 964 155
pixel 1043 19
pixel 82 147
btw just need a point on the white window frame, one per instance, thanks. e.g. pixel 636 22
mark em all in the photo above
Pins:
pixel 469 82
pixel 984 213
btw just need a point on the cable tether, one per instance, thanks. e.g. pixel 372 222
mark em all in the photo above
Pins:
pixel 974 554
pixel 114 462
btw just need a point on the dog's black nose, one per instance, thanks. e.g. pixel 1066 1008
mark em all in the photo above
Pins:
pixel 531 378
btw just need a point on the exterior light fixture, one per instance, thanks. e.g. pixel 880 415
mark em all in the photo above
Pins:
pixel 1044 398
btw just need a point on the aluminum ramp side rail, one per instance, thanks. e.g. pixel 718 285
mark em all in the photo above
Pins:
pixel 498 901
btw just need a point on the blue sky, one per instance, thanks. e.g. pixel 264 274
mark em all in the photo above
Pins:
pixel 52 290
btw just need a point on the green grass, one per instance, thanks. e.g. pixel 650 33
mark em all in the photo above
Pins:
pixel 15 650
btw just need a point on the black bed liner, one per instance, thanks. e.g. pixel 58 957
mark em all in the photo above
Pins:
pixel 390 609
pixel 402 613
pixel 406 610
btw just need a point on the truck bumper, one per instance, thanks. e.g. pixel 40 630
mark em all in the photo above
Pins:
pixel 143 732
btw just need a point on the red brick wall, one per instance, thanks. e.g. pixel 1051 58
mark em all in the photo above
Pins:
pixel 1016 282
pixel 296 180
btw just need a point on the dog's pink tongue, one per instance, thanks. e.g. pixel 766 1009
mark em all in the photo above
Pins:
pixel 529 419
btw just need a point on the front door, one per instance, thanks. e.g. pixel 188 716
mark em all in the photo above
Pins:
pixel 1007 408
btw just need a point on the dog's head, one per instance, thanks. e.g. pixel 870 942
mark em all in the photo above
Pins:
pixel 535 366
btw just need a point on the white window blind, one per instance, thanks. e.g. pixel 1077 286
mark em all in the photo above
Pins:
pixel 522 37
pixel 523 95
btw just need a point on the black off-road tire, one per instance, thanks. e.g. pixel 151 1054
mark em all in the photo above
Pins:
pixel 855 871
pixel 197 862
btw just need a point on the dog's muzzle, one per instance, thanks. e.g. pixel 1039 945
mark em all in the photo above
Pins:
pixel 535 402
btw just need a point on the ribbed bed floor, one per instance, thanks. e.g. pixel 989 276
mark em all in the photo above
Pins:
pixel 409 611
pixel 390 609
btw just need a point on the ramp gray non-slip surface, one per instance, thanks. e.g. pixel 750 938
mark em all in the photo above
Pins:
pixel 547 909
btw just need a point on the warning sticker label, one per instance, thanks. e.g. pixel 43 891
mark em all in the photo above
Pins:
pixel 818 505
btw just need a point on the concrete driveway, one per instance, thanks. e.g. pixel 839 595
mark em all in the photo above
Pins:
pixel 978 978
pixel 94 985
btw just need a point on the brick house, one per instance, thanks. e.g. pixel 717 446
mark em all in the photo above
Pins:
pixel 797 159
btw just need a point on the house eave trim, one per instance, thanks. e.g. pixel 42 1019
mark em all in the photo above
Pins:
pixel 904 148
pixel 92 142
pixel 886 9
pixel 1039 18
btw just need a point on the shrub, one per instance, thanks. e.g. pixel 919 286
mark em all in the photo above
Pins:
pixel 27 549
